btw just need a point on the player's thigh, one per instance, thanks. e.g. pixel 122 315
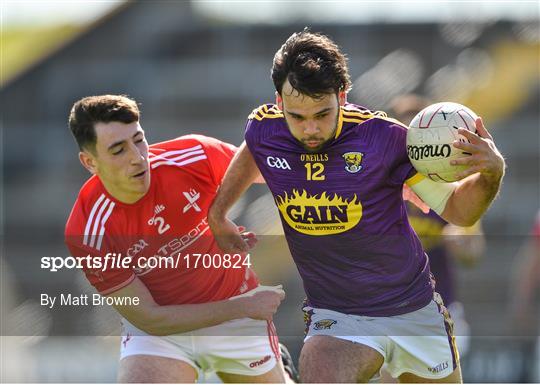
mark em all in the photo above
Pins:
pixel 331 359
pixel 454 378
pixel 155 369
pixel 275 375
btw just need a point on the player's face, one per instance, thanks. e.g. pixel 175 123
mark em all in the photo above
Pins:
pixel 311 121
pixel 121 160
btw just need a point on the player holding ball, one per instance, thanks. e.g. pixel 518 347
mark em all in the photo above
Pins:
pixel 336 171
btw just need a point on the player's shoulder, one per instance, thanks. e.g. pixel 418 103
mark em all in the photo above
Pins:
pixel 91 199
pixel 195 154
pixel 188 150
pixel 265 112
pixel 263 123
pixel 354 113
pixel 184 142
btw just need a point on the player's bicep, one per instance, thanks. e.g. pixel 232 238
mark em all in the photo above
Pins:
pixel 434 194
pixel 395 159
pixel 243 165
pixel 137 304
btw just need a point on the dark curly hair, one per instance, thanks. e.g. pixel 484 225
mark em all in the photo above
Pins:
pixel 312 63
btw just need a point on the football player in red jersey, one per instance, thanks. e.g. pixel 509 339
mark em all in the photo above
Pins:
pixel 204 309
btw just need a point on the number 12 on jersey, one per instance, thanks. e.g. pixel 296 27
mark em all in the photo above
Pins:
pixel 314 171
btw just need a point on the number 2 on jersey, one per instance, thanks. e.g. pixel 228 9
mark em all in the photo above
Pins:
pixel 314 171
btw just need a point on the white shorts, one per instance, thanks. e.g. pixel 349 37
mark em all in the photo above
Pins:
pixel 243 346
pixel 420 342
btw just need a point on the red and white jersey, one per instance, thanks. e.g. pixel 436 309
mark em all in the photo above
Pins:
pixel 170 220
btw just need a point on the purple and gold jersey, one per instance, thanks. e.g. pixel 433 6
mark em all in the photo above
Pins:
pixel 429 228
pixel 342 211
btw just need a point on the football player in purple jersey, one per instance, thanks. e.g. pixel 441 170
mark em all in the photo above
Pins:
pixel 336 171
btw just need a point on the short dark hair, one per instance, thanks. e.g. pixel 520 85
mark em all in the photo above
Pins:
pixel 90 110
pixel 312 63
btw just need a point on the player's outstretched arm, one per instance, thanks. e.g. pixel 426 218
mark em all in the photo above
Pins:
pixel 242 172
pixel 480 182
pixel 155 319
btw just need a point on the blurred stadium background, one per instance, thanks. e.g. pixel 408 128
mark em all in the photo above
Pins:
pixel 201 67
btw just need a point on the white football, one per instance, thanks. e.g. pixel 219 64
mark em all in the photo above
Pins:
pixel 430 136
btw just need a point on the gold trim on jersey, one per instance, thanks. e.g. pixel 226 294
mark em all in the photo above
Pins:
pixel 356 115
pixel 265 112
pixel 416 178
pixel 339 123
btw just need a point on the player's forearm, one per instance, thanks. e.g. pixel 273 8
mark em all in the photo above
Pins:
pixel 174 319
pixel 471 199
pixel 242 172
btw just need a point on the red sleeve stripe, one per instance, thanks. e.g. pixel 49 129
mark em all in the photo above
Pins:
pixel 97 222
pixel 178 159
pixel 102 229
pixel 175 152
pixel 186 159
pixel 91 218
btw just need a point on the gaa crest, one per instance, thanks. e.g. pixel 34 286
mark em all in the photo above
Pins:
pixel 353 161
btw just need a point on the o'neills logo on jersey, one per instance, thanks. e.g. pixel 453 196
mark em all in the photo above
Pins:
pixel 319 215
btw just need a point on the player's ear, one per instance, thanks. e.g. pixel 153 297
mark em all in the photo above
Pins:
pixel 279 101
pixel 342 98
pixel 88 161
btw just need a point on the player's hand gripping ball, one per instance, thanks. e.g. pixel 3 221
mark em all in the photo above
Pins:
pixel 430 136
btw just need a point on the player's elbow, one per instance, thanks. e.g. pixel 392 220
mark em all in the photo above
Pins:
pixel 457 218
pixel 463 221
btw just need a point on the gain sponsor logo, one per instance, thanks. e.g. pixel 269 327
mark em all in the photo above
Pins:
pixel 429 151
pixel 319 215
pixel 324 324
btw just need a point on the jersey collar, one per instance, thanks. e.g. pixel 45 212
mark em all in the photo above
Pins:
pixel 339 123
